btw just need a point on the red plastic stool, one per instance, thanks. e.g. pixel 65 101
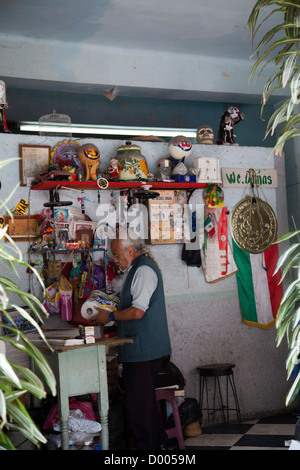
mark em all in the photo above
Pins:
pixel 176 431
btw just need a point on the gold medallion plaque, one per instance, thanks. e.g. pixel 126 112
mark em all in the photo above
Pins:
pixel 253 225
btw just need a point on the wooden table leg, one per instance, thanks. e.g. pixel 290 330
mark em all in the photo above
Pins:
pixel 63 400
pixel 103 397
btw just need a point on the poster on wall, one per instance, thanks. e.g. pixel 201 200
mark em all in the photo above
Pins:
pixel 218 262
pixel 166 217
pixel 34 160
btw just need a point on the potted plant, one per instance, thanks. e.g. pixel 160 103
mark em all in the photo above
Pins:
pixel 16 380
pixel 280 46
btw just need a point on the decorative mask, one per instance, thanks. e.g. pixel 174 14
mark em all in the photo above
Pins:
pixel 205 135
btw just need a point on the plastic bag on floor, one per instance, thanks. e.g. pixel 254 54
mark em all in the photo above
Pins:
pixel 80 424
pixel 189 412
pixel 74 438
pixel 84 406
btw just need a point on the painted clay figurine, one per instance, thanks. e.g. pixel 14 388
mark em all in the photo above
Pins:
pixel 231 117
pixel 113 169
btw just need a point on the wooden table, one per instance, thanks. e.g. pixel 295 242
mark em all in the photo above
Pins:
pixel 80 370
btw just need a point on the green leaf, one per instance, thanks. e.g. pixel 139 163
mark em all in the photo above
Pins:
pixel 289 67
pixel 295 87
pixel 287 236
pixel 289 265
pixel 292 361
pixel 278 148
pixel 292 287
pixel 295 336
pixel 269 35
pixel 8 370
pixel 2 408
pixel 288 41
pixel 294 390
pixel 282 330
pixel 283 257
pixel 286 308
pixel 5 442
pixel 18 412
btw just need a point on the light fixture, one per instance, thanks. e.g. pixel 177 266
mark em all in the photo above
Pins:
pixel 31 126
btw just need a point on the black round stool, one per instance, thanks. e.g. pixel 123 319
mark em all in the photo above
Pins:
pixel 216 371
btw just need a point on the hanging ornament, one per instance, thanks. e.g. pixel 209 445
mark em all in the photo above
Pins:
pixel 253 223
pixel 81 200
pixel 213 196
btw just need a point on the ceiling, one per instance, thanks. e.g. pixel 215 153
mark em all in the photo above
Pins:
pixel 214 28
pixel 136 46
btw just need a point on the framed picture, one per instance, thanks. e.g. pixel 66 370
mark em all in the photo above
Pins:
pixel 62 238
pixel 84 225
pixel 85 236
pixel 61 214
pixel 21 228
pixel 34 160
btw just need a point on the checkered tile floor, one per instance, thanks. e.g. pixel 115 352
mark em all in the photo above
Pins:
pixel 271 433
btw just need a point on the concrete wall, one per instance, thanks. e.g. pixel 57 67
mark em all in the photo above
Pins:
pixel 204 319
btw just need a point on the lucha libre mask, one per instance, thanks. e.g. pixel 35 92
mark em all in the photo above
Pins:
pixel 205 135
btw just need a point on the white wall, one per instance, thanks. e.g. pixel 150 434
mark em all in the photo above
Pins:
pixel 204 319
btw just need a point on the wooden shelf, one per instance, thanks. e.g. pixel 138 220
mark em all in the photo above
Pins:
pixel 114 185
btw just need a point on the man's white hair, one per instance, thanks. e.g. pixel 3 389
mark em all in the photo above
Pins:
pixel 129 238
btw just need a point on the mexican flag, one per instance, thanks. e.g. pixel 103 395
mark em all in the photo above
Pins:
pixel 259 291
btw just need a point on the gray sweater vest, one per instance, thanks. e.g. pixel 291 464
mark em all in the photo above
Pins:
pixel 150 335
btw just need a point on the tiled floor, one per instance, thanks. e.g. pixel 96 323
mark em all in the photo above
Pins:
pixel 272 433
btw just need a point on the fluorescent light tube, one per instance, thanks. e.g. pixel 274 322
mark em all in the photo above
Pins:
pixel 30 126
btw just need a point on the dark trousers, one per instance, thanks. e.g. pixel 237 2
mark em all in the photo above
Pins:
pixel 139 381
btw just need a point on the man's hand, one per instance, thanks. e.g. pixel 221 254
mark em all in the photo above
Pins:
pixel 100 319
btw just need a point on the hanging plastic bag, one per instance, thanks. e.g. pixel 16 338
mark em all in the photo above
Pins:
pixel 66 302
pixel 92 277
pixel 52 299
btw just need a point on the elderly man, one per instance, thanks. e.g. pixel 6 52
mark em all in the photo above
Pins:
pixel 142 317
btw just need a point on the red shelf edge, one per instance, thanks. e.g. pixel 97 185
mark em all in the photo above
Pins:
pixel 81 185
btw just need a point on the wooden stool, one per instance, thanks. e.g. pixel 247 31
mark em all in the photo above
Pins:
pixel 176 431
pixel 216 371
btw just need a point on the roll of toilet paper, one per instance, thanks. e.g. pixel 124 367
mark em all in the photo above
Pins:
pixel 99 299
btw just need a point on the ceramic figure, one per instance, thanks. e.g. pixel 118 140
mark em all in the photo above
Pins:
pixel 179 147
pixel 231 117
pixel 132 165
pixel 89 155
pixel 3 105
pixel 113 170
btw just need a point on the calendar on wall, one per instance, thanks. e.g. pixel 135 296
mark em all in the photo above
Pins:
pixel 167 217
